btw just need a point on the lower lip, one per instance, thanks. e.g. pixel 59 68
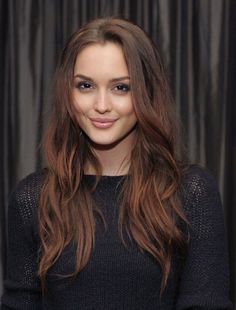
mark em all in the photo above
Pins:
pixel 103 125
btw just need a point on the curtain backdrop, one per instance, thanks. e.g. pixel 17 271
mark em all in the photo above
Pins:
pixel 198 43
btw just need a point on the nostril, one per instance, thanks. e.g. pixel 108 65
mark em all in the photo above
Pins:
pixel 101 108
pixel 102 105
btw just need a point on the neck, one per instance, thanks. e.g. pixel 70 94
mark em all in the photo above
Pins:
pixel 114 159
pixel 112 162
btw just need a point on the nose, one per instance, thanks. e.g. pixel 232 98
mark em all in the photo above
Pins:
pixel 102 103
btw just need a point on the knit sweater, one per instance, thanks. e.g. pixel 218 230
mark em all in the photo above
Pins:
pixel 119 277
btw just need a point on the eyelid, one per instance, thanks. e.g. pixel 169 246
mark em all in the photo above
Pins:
pixel 80 83
pixel 125 85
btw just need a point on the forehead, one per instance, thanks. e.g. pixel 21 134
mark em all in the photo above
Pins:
pixel 106 57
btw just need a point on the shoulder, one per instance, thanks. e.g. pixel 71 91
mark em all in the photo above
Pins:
pixel 29 187
pixel 201 199
pixel 196 179
pixel 198 182
pixel 24 198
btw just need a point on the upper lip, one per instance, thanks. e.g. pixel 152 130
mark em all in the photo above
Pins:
pixel 102 120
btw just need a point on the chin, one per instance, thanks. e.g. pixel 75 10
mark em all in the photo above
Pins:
pixel 103 144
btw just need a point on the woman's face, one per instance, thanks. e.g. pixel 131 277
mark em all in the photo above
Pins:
pixel 102 97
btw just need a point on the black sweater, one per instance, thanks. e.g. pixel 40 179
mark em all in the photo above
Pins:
pixel 119 277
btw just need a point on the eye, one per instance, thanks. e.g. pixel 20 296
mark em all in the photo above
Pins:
pixel 121 88
pixel 84 86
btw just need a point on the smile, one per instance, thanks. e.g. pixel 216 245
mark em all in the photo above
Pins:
pixel 102 122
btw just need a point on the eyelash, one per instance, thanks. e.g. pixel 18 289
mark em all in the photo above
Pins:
pixel 81 85
pixel 120 88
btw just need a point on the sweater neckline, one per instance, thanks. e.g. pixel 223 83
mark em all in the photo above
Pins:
pixel 105 176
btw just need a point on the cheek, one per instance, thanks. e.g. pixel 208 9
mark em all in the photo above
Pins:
pixel 83 103
pixel 129 112
pixel 126 108
pixel 80 106
pixel 78 102
pixel 75 101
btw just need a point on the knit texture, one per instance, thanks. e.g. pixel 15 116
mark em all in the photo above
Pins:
pixel 119 277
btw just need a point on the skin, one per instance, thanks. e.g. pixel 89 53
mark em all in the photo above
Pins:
pixel 103 105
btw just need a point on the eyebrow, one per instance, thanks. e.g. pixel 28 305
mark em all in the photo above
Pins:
pixel 81 76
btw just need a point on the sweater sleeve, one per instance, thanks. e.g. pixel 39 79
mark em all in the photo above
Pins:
pixel 22 286
pixel 204 282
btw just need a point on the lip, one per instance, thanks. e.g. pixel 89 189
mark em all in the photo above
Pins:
pixel 103 122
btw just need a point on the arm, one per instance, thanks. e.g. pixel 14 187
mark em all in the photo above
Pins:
pixel 22 286
pixel 204 282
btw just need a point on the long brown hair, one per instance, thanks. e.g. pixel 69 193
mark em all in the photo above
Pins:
pixel 150 209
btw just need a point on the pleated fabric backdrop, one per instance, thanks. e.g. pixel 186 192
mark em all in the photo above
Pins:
pixel 198 43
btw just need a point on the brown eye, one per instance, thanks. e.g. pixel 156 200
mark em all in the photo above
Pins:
pixel 84 86
pixel 122 88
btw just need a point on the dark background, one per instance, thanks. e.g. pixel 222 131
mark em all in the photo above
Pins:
pixel 197 40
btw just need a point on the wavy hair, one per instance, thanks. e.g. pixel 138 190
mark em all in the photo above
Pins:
pixel 150 208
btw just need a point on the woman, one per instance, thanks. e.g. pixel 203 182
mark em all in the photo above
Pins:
pixel 117 220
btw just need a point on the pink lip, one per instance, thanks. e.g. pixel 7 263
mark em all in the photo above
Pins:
pixel 102 122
